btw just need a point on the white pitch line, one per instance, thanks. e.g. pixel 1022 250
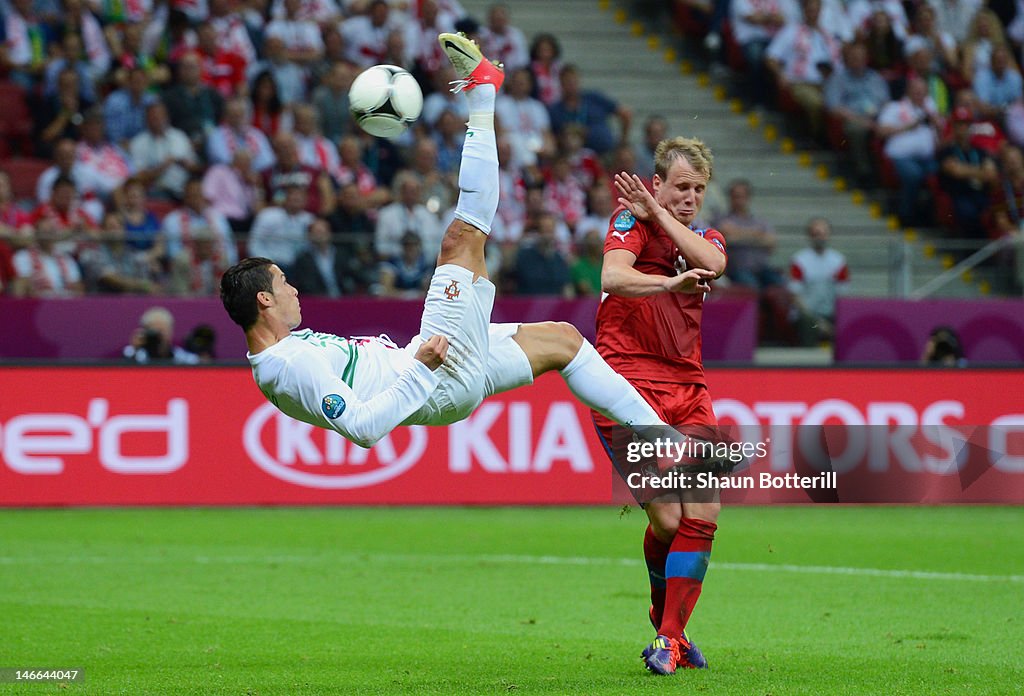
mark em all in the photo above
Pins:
pixel 513 559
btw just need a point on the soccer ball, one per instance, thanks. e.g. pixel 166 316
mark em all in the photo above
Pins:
pixel 385 100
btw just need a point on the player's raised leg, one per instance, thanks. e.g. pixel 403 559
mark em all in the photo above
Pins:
pixel 559 346
pixel 479 79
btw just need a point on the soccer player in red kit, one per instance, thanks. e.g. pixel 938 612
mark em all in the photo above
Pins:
pixel 656 271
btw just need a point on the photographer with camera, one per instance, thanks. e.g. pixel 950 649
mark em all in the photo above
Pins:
pixel 153 341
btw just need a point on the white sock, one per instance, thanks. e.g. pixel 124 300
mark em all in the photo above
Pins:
pixel 603 389
pixel 478 173
pixel 481 106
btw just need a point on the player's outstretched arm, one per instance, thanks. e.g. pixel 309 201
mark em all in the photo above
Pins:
pixel 619 277
pixel 333 404
pixel 698 252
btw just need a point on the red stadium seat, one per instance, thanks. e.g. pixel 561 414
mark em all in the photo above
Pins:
pixel 944 213
pixel 15 119
pixel 160 208
pixel 886 172
pixel 733 53
pixel 24 173
pixel 835 132
pixel 688 21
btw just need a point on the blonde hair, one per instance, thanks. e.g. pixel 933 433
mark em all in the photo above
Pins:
pixel 692 150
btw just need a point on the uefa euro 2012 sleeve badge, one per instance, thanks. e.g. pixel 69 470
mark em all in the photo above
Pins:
pixel 333 406
pixel 624 221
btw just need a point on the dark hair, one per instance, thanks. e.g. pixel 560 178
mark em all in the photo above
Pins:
pixel 275 105
pixel 238 288
pixel 945 345
pixel 541 38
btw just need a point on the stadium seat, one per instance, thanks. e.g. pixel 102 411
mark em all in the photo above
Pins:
pixel 160 208
pixel 24 173
pixel 15 119
pixel 835 131
pixel 886 172
pixel 945 216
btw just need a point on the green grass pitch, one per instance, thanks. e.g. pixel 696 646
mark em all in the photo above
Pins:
pixel 501 600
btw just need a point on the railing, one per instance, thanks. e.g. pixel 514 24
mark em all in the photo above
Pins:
pixel 1011 251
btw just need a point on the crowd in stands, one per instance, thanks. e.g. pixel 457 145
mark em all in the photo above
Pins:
pixel 924 96
pixel 148 144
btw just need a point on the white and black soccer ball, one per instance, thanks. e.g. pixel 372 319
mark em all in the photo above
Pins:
pixel 385 100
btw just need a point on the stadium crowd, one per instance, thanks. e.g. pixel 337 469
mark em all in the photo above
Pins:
pixel 924 96
pixel 147 145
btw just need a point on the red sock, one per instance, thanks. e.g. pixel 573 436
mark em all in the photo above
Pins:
pixel 655 553
pixel 685 566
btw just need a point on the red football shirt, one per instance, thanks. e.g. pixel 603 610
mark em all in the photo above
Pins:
pixel 657 337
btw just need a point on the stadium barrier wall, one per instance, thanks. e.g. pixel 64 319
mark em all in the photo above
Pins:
pixel 206 436
pixel 97 328
pixel 888 331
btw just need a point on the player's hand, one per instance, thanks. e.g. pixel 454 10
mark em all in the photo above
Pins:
pixel 433 352
pixel 635 196
pixel 692 281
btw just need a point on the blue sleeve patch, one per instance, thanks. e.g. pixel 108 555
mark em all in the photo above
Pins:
pixel 332 406
pixel 624 221
pixel 718 244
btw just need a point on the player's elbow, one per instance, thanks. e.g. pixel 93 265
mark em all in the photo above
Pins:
pixel 717 265
pixel 610 279
pixel 364 435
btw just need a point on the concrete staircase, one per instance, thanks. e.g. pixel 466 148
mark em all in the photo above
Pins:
pixel 789 188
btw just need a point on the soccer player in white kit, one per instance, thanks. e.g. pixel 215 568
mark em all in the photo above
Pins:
pixel 365 387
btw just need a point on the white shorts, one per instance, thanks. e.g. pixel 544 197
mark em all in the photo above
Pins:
pixel 482 357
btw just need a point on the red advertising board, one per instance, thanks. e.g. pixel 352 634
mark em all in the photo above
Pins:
pixel 206 436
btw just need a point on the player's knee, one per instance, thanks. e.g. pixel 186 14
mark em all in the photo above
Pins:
pixel 459 239
pixel 708 512
pixel 665 520
pixel 567 337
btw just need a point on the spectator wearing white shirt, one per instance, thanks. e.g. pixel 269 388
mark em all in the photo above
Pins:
pixel 442 99
pixel 755 23
pixel 235 133
pixel 407 214
pixel 65 164
pixel 910 129
pixel 954 16
pixel 319 11
pixel 421 37
pixel 163 155
pixel 25 46
pixel 108 164
pixel 231 32
pixel 945 54
pixel 196 214
pixel 280 233
pixel 366 36
pixel 801 56
pixel 503 42
pixel 301 37
pixel 525 120
pixel 315 150
pixel 818 275
pixel 42 270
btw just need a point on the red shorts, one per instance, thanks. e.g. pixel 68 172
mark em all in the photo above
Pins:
pixel 676 404
pixel 687 407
